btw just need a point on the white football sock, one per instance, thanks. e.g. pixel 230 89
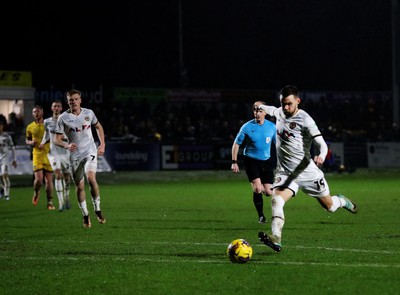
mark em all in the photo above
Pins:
pixel 336 203
pixel 60 191
pixel 66 186
pixel 278 217
pixel 83 207
pixel 6 186
pixel 96 203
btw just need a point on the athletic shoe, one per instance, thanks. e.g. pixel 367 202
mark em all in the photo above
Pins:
pixel 350 206
pixel 67 205
pixel 100 217
pixel 35 200
pixel 262 219
pixel 86 221
pixel 270 240
pixel 50 206
pixel 60 208
pixel 7 198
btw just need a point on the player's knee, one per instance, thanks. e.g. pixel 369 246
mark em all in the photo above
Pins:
pixel 268 192
pixel 80 186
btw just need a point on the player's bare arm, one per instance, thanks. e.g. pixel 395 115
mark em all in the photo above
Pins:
pixel 100 133
pixel 235 151
pixel 30 141
pixel 58 140
pixel 14 162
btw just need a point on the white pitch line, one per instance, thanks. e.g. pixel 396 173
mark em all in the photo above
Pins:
pixel 296 247
pixel 350 250
pixel 163 260
pixel 205 244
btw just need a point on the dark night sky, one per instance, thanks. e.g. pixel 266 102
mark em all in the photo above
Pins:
pixel 255 44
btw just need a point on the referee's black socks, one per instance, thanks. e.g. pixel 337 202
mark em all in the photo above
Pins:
pixel 258 203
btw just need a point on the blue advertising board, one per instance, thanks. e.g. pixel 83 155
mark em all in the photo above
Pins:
pixel 126 156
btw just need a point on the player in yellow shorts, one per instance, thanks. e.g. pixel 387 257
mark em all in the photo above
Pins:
pixel 41 165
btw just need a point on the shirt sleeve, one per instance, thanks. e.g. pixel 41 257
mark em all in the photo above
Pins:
pixel 323 147
pixel 46 135
pixel 28 132
pixel 311 126
pixel 268 109
pixel 59 126
pixel 241 135
pixel 94 118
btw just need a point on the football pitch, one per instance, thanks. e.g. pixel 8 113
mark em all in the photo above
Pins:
pixel 167 233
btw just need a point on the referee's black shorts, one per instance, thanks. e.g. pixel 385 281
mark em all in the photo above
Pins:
pixel 259 169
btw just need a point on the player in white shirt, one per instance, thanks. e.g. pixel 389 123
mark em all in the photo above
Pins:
pixel 58 158
pixel 296 131
pixel 76 123
pixel 6 144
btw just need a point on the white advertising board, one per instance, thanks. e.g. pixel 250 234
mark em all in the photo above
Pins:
pixel 24 162
pixel 384 155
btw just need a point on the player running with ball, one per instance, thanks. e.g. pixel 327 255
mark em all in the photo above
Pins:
pixel 296 131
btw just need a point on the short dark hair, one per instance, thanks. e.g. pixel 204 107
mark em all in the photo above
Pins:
pixel 71 92
pixel 288 90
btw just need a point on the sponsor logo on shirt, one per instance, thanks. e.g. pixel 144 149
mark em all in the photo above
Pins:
pixel 76 129
pixel 285 134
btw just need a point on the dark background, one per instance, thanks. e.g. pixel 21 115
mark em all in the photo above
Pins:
pixel 256 44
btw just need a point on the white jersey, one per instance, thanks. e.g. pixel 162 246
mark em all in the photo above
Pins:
pixel 78 129
pixel 294 138
pixel 50 125
pixel 6 143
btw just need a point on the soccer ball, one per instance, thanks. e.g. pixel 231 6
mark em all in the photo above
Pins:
pixel 239 251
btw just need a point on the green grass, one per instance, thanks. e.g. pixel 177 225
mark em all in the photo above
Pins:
pixel 167 233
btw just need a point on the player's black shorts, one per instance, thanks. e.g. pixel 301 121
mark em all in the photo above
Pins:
pixel 259 169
